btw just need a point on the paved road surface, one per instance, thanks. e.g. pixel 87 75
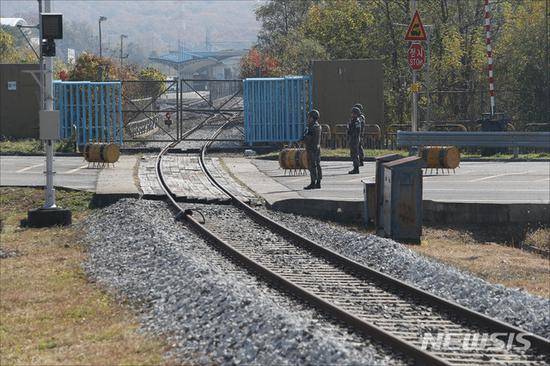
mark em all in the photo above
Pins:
pixel 486 182
pixel 71 172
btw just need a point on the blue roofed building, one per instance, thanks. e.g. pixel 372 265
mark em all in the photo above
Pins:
pixel 224 64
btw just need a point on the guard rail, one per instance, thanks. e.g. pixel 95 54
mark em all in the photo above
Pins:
pixel 474 139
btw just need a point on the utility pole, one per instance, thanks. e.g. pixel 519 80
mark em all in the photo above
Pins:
pixel 429 28
pixel 414 112
pixel 122 36
pixel 48 94
pixel 41 56
pixel 101 19
pixel 51 28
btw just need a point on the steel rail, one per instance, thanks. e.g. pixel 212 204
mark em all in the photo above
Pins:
pixel 341 314
pixel 339 259
pixel 359 324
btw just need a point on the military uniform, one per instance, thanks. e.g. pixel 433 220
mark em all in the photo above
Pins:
pixel 312 140
pixel 354 141
pixel 361 152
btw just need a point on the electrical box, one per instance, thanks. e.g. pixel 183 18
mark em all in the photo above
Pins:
pixel 402 205
pixel 49 125
pixel 379 179
pixel 52 25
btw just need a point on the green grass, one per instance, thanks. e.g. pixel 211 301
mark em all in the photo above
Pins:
pixel 16 201
pixel 32 146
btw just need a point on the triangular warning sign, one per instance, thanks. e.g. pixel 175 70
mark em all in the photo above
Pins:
pixel 416 30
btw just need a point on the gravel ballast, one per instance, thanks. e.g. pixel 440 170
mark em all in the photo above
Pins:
pixel 510 305
pixel 210 310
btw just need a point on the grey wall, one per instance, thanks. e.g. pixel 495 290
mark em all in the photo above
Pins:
pixel 19 108
pixel 339 84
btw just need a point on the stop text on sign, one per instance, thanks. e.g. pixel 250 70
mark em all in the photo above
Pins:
pixel 416 56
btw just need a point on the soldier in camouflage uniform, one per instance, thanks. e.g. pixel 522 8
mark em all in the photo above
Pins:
pixel 362 119
pixel 354 138
pixel 312 140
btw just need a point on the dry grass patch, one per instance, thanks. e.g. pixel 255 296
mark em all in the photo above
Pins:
pixel 49 312
pixel 495 263
pixel 539 238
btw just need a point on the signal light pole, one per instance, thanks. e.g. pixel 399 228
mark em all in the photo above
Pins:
pixel 51 28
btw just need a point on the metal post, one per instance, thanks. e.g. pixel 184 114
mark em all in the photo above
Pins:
pixel 101 66
pixel 48 91
pixel 178 109
pixel 414 112
pixel 488 41
pixel 100 49
pixel 428 80
pixel 122 36
pixel 41 57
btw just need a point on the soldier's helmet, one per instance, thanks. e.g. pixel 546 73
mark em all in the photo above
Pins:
pixel 359 105
pixel 314 113
pixel 356 111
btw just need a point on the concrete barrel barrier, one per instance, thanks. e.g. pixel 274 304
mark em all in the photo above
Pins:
pixel 101 153
pixel 445 157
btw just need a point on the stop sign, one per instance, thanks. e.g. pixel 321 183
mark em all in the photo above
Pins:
pixel 416 56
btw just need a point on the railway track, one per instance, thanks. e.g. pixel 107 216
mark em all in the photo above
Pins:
pixel 428 328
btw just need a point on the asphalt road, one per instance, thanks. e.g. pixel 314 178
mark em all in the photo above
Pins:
pixel 71 172
pixel 486 182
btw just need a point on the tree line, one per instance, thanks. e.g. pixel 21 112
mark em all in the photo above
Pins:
pixel 294 33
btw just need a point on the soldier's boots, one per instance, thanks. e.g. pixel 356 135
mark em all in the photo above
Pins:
pixel 361 163
pixel 354 171
pixel 318 184
pixel 311 186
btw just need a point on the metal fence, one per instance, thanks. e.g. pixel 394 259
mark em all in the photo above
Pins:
pixel 466 106
pixel 474 139
pixel 91 110
pixel 275 108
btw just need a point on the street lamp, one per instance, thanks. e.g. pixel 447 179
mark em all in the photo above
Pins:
pixel 101 19
pixel 122 36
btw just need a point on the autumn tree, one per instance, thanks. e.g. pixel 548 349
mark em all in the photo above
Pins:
pixel 258 64
pixel 12 52
pixel 91 67
pixel 153 82
pixel 457 77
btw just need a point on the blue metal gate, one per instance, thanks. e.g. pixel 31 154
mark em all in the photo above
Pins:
pixel 92 110
pixel 275 109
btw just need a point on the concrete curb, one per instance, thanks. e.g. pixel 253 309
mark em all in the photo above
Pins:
pixel 434 212
pixel 450 213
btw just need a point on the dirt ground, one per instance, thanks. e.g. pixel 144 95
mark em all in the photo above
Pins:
pixel 494 262
pixel 50 313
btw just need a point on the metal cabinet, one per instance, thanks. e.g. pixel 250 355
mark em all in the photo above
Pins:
pixel 369 201
pixel 402 199
pixel 379 199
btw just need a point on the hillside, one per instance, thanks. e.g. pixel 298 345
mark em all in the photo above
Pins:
pixel 152 25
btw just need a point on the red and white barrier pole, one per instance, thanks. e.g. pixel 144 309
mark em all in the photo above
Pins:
pixel 489 56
